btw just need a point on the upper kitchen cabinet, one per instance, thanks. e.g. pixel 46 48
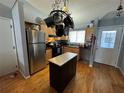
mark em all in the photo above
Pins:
pixel 89 32
pixel 48 31
pixel 51 31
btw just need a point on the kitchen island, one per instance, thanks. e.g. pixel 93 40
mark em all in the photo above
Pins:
pixel 62 70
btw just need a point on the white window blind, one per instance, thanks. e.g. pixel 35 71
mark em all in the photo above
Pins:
pixel 77 36
pixel 108 39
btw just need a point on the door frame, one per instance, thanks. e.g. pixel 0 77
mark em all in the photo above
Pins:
pixel 120 43
pixel 14 41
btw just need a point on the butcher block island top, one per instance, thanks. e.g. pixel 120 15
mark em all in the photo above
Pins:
pixel 62 59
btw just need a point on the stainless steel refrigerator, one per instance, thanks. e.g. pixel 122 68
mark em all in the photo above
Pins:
pixel 36 50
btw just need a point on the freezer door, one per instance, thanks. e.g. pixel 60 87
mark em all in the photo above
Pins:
pixel 34 36
pixel 36 57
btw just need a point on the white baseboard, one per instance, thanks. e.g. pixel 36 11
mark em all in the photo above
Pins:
pixel 25 77
pixel 121 71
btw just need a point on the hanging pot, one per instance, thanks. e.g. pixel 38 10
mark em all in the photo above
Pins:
pixel 68 21
pixel 58 16
pixel 59 30
pixel 49 21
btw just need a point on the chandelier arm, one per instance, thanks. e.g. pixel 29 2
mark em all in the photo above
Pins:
pixel 58 11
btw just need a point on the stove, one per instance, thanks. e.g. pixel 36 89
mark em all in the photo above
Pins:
pixel 56 50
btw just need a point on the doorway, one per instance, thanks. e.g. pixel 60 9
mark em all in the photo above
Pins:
pixel 108 45
pixel 8 57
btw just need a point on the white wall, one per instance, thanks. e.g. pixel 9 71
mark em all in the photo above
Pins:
pixel 5 11
pixel 30 13
pixel 19 25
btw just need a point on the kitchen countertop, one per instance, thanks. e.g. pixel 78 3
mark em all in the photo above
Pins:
pixel 72 46
pixel 62 59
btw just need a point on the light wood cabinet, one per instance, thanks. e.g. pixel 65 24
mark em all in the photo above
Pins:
pixel 47 31
pixel 73 50
pixel 48 55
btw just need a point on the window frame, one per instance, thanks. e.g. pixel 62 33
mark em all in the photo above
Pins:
pixel 77 36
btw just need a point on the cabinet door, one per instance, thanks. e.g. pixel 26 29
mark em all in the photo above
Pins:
pixel 48 55
pixel 73 50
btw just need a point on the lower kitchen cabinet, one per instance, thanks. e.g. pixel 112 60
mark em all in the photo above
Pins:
pixel 73 50
pixel 48 55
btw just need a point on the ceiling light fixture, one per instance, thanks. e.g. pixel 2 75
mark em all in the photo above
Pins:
pixel 61 5
pixel 60 17
pixel 120 9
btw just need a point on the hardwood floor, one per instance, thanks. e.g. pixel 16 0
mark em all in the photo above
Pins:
pixel 99 79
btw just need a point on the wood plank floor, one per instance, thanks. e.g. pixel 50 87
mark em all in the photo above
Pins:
pixel 99 79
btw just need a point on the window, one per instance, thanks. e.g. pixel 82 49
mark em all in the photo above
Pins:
pixel 77 36
pixel 108 39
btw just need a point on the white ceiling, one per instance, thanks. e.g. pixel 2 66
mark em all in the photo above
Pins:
pixel 83 11
pixel 8 3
